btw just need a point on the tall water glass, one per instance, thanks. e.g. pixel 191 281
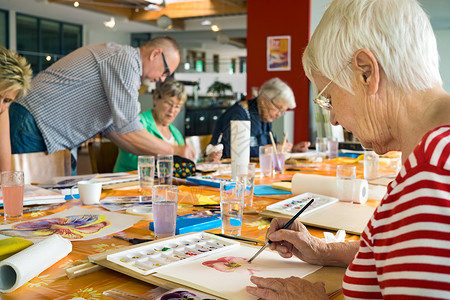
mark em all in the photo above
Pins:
pixel 345 181
pixel 278 160
pixel 12 192
pixel 164 204
pixel 333 147
pixel 246 176
pixel 231 207
pixel 321 145
pixel 165 169
pixel 370 164
pixel 266 160
pixel 146 167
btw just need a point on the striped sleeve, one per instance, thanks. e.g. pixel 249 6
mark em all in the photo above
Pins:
pixel 405 248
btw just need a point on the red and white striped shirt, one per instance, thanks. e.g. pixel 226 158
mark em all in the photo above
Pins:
pixel 405 248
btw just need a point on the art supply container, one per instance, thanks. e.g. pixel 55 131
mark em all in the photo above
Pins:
pixel 332 147
pixel 278 160
pixel 165 169
pixel 12 192
pixel 321 145
pixel 246 176
pixel 146 168
pixel 266 160
pixel 345 182
pixel 90 192
pixel 370 164
pixel 231 207
pixel 165 201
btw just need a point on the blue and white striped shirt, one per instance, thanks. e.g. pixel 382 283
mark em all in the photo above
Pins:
pixel 91 90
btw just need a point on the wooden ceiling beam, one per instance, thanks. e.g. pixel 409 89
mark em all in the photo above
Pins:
pixel 191 9
pixel 102 6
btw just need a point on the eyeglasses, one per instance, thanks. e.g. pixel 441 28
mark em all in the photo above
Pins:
pixel 280 111
pixel 170 104
pixel 325 102
pixel 166 67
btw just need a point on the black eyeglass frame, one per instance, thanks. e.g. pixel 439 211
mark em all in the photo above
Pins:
pixel 166 72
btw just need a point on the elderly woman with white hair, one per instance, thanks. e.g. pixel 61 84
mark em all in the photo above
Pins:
pixel 375 63
pixel 274 99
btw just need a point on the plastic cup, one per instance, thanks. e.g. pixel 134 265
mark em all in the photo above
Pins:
pixel 333 148
pixel 12 192
pixel 345 181
pixel 266 160
pixel 146 167
pixel 165 201
pixel 165 169
pixel 231 207
pixel 246 176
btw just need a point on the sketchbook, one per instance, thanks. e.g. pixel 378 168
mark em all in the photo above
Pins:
pixel 36 195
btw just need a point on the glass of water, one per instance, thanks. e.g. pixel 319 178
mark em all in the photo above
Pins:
pixel 345 181
pixel 246 176
pixel 146 167
pixel 165 169
pixel 231 207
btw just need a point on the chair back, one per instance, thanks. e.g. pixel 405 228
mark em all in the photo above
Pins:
pixel 39 167
pixel 103 155
pixel 199 142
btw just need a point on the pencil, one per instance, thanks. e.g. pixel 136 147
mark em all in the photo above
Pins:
pixel 284 227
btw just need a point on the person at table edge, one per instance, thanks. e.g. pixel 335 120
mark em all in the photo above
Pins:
pixel 94 90
pixel 168 99
pixel 376 65
pixel 274 99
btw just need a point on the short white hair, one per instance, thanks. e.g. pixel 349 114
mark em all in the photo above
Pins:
pixel 397 32
pixel 276 88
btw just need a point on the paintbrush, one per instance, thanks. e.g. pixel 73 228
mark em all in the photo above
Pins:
pixel 284 227
pixel 273 143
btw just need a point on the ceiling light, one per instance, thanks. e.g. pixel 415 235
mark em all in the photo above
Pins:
pixel 164 22
pixel 48 58
pixel 215 28
pixel 76 4
pixel 111 23
pixel 206 23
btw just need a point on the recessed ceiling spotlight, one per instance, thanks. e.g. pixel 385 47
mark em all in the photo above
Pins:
pixel 48 58
pixel 215 28
pixel 206 23
pixel 76 4
pixel 111 23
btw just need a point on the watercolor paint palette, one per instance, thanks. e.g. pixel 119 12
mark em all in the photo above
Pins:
pixel 292 205
pixel 149 258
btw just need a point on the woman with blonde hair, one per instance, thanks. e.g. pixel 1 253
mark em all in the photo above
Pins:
pixel 15 76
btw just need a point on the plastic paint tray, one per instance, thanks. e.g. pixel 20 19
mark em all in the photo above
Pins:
pixel 292 205
pixel 150 258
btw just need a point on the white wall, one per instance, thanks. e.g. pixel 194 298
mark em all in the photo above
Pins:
pixel 98 34
pixel 443 42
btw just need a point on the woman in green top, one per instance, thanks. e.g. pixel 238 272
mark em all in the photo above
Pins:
pixel 168 99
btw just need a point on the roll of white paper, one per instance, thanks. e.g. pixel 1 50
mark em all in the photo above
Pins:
pixel 326 185
pixel 30 262
pixel 239 144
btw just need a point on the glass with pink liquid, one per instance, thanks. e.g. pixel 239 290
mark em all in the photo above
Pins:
pixel 278 160
pixel 165 201
pixel 12 192
pixel 266 160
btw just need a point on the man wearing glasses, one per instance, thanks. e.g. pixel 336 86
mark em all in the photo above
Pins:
pixel 94 90
pixel 274 99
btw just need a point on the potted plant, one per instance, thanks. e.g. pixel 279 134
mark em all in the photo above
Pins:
pixel 219 88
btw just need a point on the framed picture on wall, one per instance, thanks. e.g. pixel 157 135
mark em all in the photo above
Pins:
pixel 279 53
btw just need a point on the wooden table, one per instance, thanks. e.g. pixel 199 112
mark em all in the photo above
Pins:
pixel 54 284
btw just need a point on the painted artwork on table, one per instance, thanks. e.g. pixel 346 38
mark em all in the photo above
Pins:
pixel 75 224
pixel 226 274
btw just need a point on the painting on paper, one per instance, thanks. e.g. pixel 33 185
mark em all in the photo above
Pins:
pixel 75 224
pixel 226 274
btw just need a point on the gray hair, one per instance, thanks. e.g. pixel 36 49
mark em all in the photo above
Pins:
pixel 165 42
pixel 397 32
pixel 275 88
pixel 170 87
pixel 15 72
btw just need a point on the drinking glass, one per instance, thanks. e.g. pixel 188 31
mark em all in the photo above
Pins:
pixel 165 201
pixel 346 175
pixel 321 145
pixel 231 207
pixel 333 148
pixel 12 192
pixel 246 176
pixel 146 167
pixel 165 169
pixel 370 164
pixel 266 160
pixel 278 160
